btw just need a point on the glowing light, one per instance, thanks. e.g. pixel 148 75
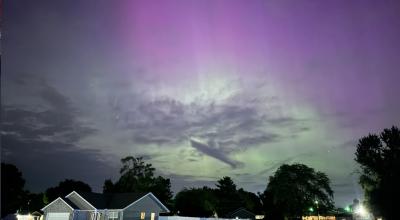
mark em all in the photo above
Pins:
pixel 361 210
pixel 347 209
pixel 311 209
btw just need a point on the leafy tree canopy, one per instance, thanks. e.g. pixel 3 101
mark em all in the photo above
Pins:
pixel 64 188
pixel 228 196
pixel 12 189
pixel 294 189
pixel 200 202
pixel 222 200
pixel 379 157
pixel 138 176
pixel 226 186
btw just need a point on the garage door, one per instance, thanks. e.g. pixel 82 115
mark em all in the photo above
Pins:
pixel 57 216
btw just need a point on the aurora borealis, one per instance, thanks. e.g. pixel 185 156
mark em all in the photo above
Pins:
pixel 201 89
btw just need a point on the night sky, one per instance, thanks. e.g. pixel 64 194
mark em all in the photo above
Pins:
pixel 201 89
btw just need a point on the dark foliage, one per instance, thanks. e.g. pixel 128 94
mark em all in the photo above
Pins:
pixel 138 176
pixel 294 189
pixel 64 188
pixel 228 196
pixel 222 200
pixel 200 202
pixel 379 157
pixel 12 189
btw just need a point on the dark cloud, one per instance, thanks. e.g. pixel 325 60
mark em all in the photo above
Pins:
pixel 215 153
pixel 45 163
pixel 233 125
pixel 56 119
pixel 46 141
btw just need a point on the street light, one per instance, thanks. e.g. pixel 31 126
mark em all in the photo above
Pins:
pixel 316 203
pixel 361 211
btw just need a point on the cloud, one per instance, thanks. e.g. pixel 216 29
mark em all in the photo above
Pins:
pixel 46 140
pixel 215 153
pixel 273 166
pixel 56 119
pixel 168 121
pixel 45 163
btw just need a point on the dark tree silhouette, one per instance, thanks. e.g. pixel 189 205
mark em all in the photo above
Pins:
pixel 222 200
pixel 228 196
pixel 200 202
pixel 138 176
pixel 12 189
pixel 250 201
pixel 225 185
pixel 33 202
pixel 64 188
pixel 379 157
pixel 294 189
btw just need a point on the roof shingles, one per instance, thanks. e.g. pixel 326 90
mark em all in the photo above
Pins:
pixel 111 200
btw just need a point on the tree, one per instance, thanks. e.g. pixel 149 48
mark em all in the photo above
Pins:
pixel 138 176
pixel 12 189
pixel 379 157
pixel 200 202
pixel 108 186
pixel 250 201
pixel 64 188
pixel 35 202
pixel 294 189
pixel 228 196
pixel 226 186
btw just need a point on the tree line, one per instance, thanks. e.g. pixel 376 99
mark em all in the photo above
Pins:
pixel 293 191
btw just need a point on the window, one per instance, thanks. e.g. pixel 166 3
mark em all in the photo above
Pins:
pixel 153 216
pixel 112 215
pixel 95 216
pixel 142 215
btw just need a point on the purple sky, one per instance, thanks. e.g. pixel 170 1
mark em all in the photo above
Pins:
pixel 202 89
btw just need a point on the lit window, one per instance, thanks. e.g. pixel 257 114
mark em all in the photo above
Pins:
pixel 112 215
pixel 142 215
pixel 153 216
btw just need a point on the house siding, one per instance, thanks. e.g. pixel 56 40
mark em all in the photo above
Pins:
pixel 79 202
pixel 58 206
pixel 147 205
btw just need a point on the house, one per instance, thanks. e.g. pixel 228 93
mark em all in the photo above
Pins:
pixel 96 206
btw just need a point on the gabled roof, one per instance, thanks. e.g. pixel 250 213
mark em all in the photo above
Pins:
pixel 111 200
pixel 63 200
pixel 70 203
